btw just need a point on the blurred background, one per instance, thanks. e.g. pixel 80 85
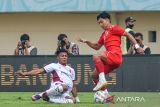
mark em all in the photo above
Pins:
pixel 44 20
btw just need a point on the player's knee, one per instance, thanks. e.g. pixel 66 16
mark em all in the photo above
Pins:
pixel 99 58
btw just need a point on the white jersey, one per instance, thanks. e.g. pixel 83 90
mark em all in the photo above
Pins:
pixel 61 73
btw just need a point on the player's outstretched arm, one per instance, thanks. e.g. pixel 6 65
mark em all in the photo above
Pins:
pixel 95 46
pixel 134 42
pixel 32 72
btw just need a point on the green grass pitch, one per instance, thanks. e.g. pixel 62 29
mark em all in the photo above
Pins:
pixel 23 99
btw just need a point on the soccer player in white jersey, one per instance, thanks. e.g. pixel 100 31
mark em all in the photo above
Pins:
pixel 63 80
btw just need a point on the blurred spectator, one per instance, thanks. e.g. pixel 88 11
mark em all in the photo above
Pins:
pixel 139 39
pixel 64 43
pixel 24 47
pixel 129 22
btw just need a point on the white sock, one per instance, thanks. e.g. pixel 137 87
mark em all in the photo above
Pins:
pixel 102 77
pixel 56 90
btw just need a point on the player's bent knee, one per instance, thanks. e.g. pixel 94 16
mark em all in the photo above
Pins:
pixel 57 90
pixel 96 57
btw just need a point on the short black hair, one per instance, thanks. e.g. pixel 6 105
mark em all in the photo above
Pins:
pixel 24 37
pixel 61 36
pixel 139 34
pixel 61 50
pixel 104 15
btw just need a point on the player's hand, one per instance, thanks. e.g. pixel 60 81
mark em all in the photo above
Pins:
pixel 20 73
pixel 140 50
pixel 81 40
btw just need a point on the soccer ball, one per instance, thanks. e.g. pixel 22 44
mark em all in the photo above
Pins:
pixel 99 96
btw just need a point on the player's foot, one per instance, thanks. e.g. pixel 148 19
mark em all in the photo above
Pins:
pixel 35 97
pixel 110 99
pixel 99 85
pixel 45 97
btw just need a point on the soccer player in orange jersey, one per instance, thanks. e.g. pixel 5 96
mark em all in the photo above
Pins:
pixel 111 58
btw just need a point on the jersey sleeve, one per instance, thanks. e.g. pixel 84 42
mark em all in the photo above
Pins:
pixel 101 39
pixel 49 68
pixel 118 30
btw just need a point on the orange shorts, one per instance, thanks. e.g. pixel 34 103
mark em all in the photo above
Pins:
pixel 114 60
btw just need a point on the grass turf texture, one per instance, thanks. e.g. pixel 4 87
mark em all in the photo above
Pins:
pixel 23 99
